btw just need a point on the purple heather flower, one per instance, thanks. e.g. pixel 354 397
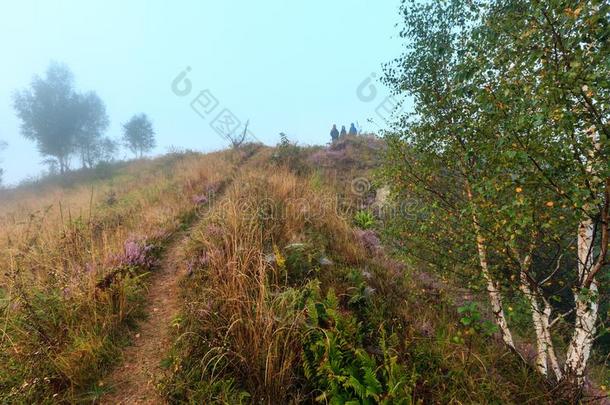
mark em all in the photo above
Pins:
pixel 369 240
pixel 137 253
pixel 212 188
pixel 197 263
pixel 200 199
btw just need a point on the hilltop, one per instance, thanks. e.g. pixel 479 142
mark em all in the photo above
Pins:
pixel 253 275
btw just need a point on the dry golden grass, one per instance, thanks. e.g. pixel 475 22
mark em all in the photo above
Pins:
pixel 239 305
pixel 58 330
pixel 246 318
pixel 245 324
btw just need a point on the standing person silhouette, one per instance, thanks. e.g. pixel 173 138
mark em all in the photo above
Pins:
pixel 334 133
pixel 343 131
pixel 353 130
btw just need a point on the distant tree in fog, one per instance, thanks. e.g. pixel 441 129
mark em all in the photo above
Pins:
pixel 60 120
pixel 138 135
pixel 47 111
pixel 107 150
pixel 52 166
pixel 89 142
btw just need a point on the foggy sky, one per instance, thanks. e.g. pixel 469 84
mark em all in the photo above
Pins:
pixel 287 66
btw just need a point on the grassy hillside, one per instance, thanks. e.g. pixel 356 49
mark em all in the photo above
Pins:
pixel 288 288
pixel 63 326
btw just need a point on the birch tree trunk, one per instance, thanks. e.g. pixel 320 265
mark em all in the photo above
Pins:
pixel 586 297
pixel 495 298
pixel 545 349
pixel 586 303
pixel 493 289
pixel 541 315
pixel 546 316
pixel 539 323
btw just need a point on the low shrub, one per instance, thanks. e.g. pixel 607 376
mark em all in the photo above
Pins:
pixel 287 154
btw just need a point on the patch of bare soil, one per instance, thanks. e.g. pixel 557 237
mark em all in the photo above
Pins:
pixel 133 382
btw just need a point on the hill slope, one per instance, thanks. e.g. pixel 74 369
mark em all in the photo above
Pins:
pixel 259 275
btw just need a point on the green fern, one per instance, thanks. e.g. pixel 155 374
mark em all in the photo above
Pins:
pixel 337 366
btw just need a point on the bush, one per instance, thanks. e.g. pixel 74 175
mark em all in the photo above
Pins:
pixel 288 154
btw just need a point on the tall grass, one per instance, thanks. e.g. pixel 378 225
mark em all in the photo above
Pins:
pixel 242 321
pixel 286 303
pixel 60 328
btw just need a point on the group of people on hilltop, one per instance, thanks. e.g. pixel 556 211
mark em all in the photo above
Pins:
pixel 335 134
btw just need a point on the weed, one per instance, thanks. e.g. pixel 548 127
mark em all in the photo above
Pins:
pixel 364 219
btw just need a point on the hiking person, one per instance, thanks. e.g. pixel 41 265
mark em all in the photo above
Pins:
pixel 334 133
pixel 353 130
pixel 343 131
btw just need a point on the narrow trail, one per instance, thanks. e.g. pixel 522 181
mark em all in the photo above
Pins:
pixel 133 382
